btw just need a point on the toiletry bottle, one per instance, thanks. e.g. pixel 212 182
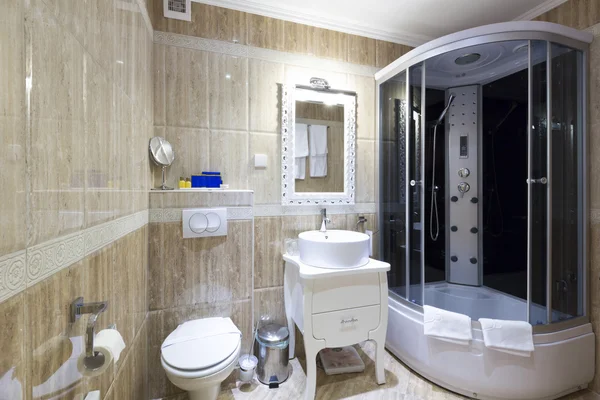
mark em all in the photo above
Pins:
pixel 188 183
pixel 181 182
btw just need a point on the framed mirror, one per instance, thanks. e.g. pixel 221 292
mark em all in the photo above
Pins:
pixel 318 145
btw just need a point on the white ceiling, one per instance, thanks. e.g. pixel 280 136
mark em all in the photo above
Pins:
pixel 411 22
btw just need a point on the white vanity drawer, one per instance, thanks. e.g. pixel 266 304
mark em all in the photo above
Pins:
pixel 346 327
pixel 344 292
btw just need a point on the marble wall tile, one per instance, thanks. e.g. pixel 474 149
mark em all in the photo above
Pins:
pixel 269 305
pixel 99 30
pixel 266 182
pixel 159 79
pixel 192 156
pixel 218 23
pixel 186 74
pixel 228 91
pixel 297 38
pixel 386 52
pixel 264 95
pixel 578 14
pixel 365 105
pixel 329 44
pixel 365 171
pixel 229 155
pixel 124 52
pixel 361 50
pixel 268 246
pixel 265 32
pixel 13 368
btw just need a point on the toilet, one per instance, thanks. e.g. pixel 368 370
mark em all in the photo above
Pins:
pixel 200 354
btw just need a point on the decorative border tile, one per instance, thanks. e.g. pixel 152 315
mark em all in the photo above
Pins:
pixel 239 50
pixel 174 214
pixel 25 268
pixel 275 210
pixel 12 274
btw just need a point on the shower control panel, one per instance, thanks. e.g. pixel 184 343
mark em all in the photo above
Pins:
pixel 463 132
pixel 464 146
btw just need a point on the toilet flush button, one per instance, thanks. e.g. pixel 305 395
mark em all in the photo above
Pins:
pixel 200 222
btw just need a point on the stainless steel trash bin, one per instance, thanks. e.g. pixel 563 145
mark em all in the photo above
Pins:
pixel 272 343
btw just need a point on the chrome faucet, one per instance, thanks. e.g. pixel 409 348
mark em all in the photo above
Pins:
pixel 324 220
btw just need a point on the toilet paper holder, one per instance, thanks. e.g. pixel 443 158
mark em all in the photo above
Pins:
pixel 93 359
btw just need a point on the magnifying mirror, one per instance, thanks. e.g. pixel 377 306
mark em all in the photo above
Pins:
pixel 163 155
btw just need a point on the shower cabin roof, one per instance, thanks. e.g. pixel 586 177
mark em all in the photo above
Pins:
pixel 500 55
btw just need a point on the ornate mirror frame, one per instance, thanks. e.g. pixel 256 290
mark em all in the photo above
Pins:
pixel 289 95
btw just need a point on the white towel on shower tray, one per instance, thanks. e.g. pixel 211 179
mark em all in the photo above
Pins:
pixel 447 325
pixel 512 337
pixel 300 168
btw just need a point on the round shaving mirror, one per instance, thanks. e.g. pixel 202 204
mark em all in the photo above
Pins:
pixel 163 155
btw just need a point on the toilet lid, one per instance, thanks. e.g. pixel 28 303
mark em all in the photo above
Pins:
pixel 201 343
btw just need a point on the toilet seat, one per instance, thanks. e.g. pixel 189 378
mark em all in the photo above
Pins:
pixel 201 347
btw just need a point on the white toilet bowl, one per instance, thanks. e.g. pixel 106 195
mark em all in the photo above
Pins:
pixel 200 354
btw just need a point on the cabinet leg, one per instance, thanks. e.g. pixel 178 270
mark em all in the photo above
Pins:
pixel 292 337
pixel 312 348
pixel 379 358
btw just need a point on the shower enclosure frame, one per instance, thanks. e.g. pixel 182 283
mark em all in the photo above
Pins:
pixel 560 337
pixel 531 31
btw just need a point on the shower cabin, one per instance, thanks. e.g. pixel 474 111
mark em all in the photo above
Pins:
pixel 483 204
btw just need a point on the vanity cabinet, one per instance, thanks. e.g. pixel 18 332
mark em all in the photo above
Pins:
pixel 335 308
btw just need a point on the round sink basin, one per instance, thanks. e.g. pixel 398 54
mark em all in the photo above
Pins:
pixel 334 249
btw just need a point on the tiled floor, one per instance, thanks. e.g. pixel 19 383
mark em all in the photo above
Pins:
pixel 401 384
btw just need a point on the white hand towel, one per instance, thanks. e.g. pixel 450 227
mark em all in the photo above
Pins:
pixel 512 337
pixel 447 326
pixel 318 140
pixel 300 168
pixel 301 140
pixel 318 166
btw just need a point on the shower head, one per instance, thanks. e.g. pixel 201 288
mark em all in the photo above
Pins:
pixel 443 114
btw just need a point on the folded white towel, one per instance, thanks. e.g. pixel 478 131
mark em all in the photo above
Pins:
pixel 318 166
pixel 512 337
pixel 317 140
pixel 447 326
pixel 300 168
pixel 301 140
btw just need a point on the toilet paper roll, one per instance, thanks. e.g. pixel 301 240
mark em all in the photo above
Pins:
pixel 108 342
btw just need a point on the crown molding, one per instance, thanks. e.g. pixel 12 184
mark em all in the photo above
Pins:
pixel 539 10
pixel 318 21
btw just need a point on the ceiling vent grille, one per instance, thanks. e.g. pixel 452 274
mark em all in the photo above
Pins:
pixel 178 9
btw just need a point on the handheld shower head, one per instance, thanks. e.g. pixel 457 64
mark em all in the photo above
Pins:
pixel 443 114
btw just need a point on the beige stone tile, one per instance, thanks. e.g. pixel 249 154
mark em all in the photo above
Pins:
pixel 192 156
pixel 296 38
pixel 266 182
pixel 13 198
pixel 124 68
pixel 329 44
pixel 365 105
pixel 13 347
pixel 220 268
pixel 12 62
pixel 269 305
pixel 265 32
pixel 386 52
pixel 100 32
pixel 229 155
pixel 268 245
pixel 186 88
pixel 365 171
pixel 292 226
pixel 50 334
pixel 159 79
pixel 361 50
pixel 228 91
pixel 264 95
pixel 218 23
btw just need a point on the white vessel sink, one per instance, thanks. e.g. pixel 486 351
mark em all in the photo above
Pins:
pixel 334 249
